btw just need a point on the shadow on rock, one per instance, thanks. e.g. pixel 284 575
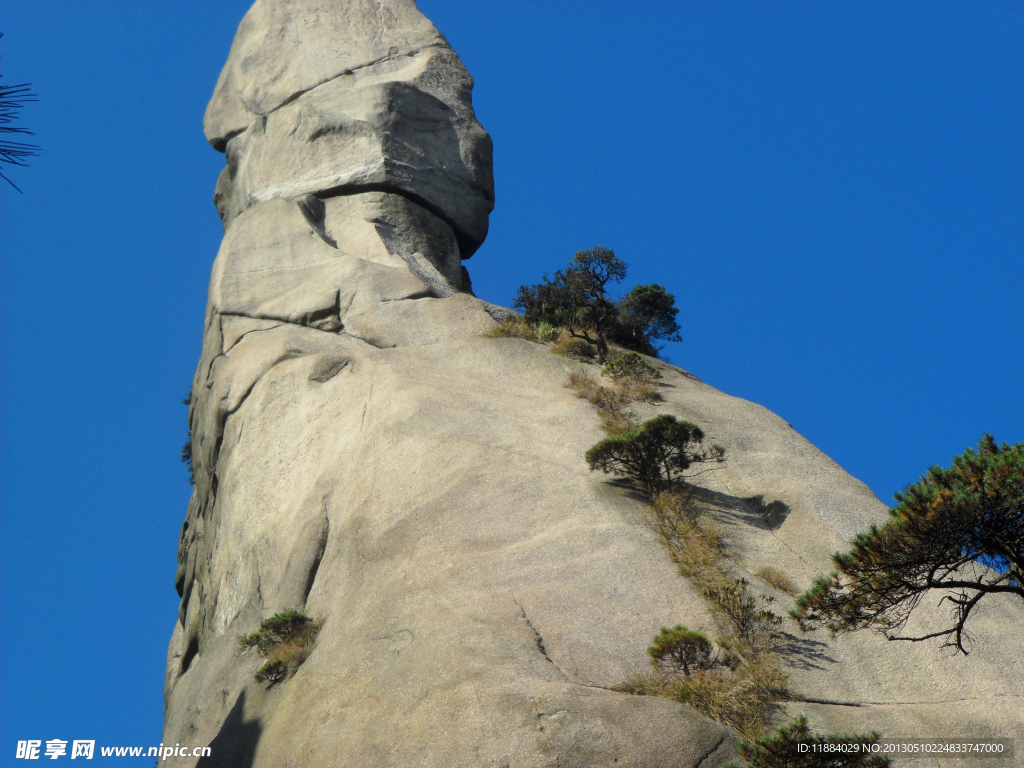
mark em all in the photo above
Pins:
pixel 803 652
pixel 752 510
pixel 235 745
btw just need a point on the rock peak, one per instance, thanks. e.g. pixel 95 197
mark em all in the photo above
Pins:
pixel 326 97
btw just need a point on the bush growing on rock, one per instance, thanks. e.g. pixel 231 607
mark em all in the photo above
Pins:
pixel 547 332
pixel 186 459
pixel 746 699
pixel 752 620
pixel 577 299
pixel 681 650
pixel 646 313
pixel 274 671
pixel 654 455
pixel 635 375
pixel 575 348
pixel 286 640
pixel 612 403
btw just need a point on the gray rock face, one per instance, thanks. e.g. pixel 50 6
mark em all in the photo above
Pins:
pixel 331 97
pixel 363 453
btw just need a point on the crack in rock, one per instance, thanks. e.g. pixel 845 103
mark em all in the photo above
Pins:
pixel 721 740
pixel 540 641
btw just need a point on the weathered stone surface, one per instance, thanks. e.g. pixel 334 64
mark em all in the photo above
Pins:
pixel 373 97
pixel 477 579
pixel 364 453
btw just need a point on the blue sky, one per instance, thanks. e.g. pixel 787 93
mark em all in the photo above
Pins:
pixel 833 191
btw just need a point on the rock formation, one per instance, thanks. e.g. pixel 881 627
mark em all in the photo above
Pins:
pixel 364 453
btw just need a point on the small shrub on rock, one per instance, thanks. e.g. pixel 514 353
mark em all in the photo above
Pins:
pixel 612 405
pixel 274 671
pixel 547 332
pixel 582 382
pixel 746 698
pixel 186 459
pixel 752 620
pixel 637 378
pixel 681 650
pixel 286 640
pixel 654 455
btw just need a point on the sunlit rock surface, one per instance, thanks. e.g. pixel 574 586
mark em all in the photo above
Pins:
pixel 363 453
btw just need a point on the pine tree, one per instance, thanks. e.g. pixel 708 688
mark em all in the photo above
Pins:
pixel 958 533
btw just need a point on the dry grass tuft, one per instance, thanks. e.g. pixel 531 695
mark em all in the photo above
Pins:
pixel 612 403
pixel 746 698
pixel 518 328
pixel 698 549
pixel 582 382
pixel 778 579
pixel 631 368
pixel 643 392
pixel 513 329
pixel 646 684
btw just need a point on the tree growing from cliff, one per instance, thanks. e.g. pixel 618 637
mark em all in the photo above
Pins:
pixel 646 313
pixel 958 533
pixel 656 454
pixel 578 299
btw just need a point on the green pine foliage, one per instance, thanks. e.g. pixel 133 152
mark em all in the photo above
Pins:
pixel 794 746
pixel 577 299
pixel 646 313
pixel 14 153
pixel 958 533
pixel 681 650
pixel 656 454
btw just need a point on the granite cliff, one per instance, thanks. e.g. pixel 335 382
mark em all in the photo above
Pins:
pixel 363 452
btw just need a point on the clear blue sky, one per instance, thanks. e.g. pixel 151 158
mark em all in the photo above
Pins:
pixel 833 191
